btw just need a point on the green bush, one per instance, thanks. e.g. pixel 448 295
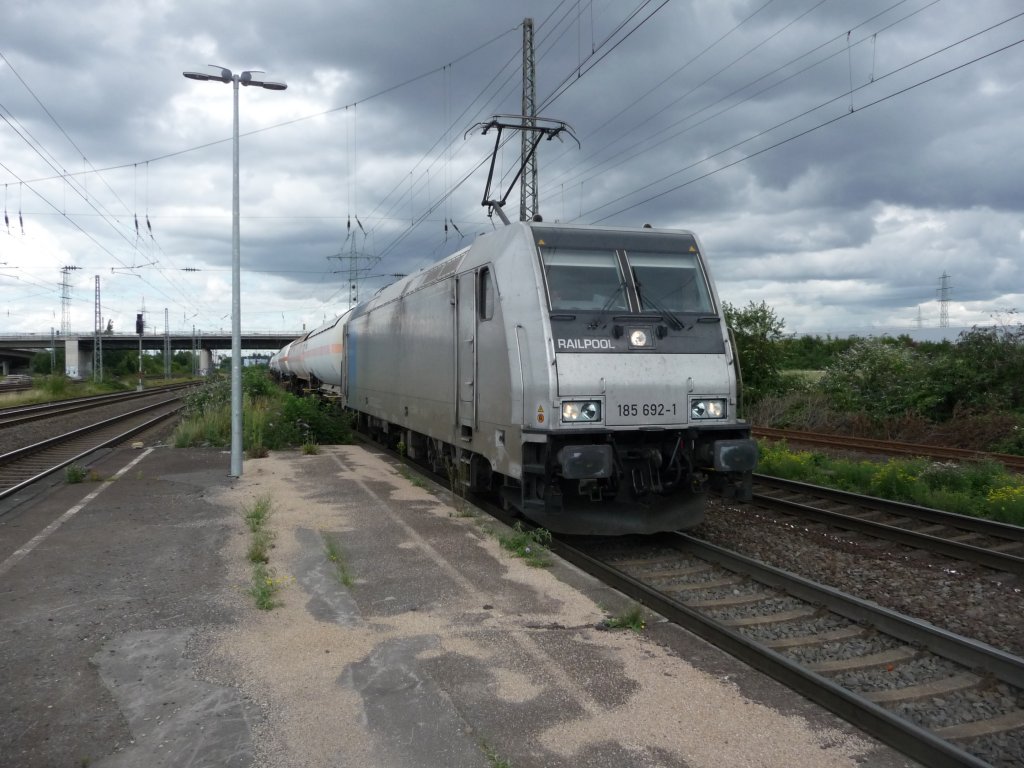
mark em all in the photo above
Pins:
pixel 1012 443
pixel 312 420
pixel 881 379
pixel 272 418
pixel 896 480
pixel 777 460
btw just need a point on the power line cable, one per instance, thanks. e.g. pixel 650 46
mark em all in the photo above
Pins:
pixel 589 173
pixel 798 135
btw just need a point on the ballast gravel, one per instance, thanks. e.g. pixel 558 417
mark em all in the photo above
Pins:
pixel 958 707
pixel 818 625
pixel 966 599
pixel 772 605
pixel 970 600
pixel 914 672
pixel 843 650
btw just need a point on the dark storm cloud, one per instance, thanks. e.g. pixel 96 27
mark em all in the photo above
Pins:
pixel 690 122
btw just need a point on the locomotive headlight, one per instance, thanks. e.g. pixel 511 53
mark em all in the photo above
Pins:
pixel 707 408
pixel 576 411
pixel 638 337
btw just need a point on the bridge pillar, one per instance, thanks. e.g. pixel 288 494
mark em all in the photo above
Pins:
pixel 71 362
pixel 205 362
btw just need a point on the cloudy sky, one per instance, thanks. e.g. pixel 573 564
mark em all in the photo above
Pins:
pixel 836 158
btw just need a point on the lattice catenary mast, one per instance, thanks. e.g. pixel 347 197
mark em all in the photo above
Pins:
pixel 65 299
pixel 528 198
pixel 944 293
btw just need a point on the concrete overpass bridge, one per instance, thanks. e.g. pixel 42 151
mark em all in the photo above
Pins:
pixel 17 350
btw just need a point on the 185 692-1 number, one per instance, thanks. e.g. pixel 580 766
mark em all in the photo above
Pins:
pixel 647 409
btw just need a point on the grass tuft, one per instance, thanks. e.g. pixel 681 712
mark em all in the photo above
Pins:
pixel 531 546
pixel 412 477
pixel 265 586
pixel 260 544
pixel 494 760
pixel 337 556
pixel 256 516
pixel 632 619
pixel 75 473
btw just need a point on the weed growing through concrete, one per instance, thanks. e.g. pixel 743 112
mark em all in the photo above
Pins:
pixel 412 477
pixel 632 619
pixel 531 546
pixel 456 481
pixel 452 470
pixel 259 546
pixel 310 448
pixel 256 516
pixel 493 758
pixel 336 556
pixel 264 583
pixel 75 473
pixel 264 587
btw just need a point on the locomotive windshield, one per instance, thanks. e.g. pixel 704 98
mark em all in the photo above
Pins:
pixel 669 281
pixel 623 272
pixel 584 279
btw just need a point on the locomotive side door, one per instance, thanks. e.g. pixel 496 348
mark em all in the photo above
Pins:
pixel 465 354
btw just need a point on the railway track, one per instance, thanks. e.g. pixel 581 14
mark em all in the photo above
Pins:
pixel 21 467
pixel 970 539
pixel 939 698
pixel 886 447
pixel 22 414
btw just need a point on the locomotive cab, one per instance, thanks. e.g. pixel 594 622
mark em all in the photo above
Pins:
pixel 644 389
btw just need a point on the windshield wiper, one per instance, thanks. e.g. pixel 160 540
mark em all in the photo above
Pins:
pixel 673 320
pixel 607 306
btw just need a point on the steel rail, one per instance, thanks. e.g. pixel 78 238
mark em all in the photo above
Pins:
pixel 903 735
pixel 33 450
pixel 1002 561
pixel 886 446
pixel 25 413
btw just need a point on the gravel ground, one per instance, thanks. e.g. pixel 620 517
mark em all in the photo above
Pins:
pixel 966 599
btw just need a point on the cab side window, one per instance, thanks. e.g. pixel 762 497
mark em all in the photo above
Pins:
pixel 485 294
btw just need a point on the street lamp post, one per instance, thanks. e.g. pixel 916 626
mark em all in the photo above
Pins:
pixel 245 78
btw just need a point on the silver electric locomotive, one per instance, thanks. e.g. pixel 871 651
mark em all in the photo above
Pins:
pixel 585 373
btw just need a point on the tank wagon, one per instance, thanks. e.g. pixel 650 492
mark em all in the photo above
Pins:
pixel 585 373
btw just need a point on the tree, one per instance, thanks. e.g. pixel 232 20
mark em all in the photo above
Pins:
pixel 41 362
pixel 757 330
pixel 984 369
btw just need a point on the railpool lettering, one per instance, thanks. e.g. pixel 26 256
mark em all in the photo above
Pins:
pixel 585 344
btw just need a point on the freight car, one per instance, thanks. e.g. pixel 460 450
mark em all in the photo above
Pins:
pixel 584 373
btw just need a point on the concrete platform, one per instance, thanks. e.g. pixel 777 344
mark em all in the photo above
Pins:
pixel 128 636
